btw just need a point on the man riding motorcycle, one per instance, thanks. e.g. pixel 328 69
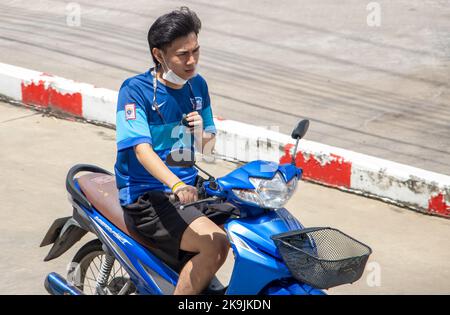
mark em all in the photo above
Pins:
pixel 150 110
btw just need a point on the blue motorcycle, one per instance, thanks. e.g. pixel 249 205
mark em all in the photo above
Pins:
pixel 274 254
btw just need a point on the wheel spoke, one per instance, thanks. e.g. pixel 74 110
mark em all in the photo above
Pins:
pixel 115 273
pixel 93 275
pixel 95 264
pixel 89 286
pixel 92 272
pixel 91 264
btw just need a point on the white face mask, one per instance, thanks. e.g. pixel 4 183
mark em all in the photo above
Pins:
pixel 171 76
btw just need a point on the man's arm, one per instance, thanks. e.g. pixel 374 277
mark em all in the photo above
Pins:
pixel 208 143
pixel 155 166
pixel 204 141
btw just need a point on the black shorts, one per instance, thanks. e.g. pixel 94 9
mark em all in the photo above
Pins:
pixel 160 221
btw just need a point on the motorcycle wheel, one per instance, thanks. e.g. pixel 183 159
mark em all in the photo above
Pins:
pixel 85 268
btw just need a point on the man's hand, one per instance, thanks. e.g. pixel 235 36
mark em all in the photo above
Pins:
pixel 186 193
pixel 195 122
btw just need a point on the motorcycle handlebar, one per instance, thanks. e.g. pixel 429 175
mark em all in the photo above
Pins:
pixel 174 198
pixel 207 200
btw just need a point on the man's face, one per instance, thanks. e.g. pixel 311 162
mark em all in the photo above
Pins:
pixel 182 56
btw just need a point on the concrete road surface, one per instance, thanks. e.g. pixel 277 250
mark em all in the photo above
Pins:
pixel 380 89
pixel 410 250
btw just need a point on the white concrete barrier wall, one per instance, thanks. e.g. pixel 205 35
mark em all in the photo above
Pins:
pixel 418 189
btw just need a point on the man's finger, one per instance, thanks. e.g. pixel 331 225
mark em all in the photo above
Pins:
pixel 192 114
pixel 193 117
pixel 195 123
pixel 182 197
pixel 193 197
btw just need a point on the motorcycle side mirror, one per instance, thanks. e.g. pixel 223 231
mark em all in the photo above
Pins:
pixel 301 129
pixel 181 157
pixel 298 133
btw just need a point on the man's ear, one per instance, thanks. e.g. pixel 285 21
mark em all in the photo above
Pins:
pixel 157 53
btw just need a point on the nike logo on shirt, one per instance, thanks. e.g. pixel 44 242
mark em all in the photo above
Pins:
pixel 153 106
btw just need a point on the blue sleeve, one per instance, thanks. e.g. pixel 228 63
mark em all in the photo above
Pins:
pixel 131 119
pixel 207 115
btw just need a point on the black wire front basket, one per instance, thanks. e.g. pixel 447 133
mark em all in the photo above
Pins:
pixel 322 257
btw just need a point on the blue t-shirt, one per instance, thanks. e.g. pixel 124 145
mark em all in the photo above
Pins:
pixel 137 121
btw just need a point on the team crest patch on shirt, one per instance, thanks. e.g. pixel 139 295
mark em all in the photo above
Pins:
pixel 130 111
pixel 198 103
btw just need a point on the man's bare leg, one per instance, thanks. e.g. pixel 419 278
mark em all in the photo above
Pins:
pixel 206 238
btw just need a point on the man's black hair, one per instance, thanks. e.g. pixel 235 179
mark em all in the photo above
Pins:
pixel 170 26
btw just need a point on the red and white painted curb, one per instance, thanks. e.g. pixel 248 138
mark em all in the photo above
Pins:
pixel 415 188
pixel 58 94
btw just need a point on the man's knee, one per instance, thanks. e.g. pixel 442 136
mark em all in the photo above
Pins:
pixel 207 238
pixel 221 247
pixel 215 250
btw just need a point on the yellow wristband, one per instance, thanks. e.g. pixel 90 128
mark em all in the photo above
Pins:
pixel 174 187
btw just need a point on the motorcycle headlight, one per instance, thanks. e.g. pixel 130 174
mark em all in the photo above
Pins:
pixel 268 193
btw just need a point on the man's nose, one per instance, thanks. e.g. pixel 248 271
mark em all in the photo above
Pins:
pixel 191 60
